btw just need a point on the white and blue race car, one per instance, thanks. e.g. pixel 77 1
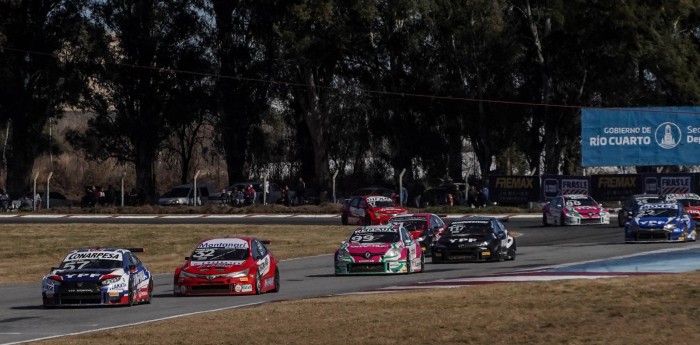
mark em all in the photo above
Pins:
pixel 662 222
pixel 98 276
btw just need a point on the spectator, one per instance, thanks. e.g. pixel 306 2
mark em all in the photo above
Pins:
pixel 404 195
pixel 284 198
pixel 4 200
pixel 249 195
pixel 300 190
pixel 471 197
pixel 485 190
pixel 110 195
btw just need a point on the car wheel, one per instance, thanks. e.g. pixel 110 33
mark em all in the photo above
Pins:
pixel 258 285
pixel 132 294
pixel 409 266
pixel 422 263
pixel 620 219
pixel 344 219
pixel 277 281
pixel 499 254
pixel 368 220
pixel 511 252
pixel 150 292
pixel 561 219
pixel 544 219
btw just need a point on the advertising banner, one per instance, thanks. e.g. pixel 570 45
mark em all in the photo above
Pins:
pixel 514 190
pixel 640 136
pixel 554 185
pixel 677 183
pixel 615 187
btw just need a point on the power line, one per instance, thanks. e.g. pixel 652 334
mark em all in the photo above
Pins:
pixel 367 91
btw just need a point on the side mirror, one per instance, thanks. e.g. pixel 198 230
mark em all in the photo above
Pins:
pixel 408 242
pixel 501 235
pixel 187 258
pixel 343 242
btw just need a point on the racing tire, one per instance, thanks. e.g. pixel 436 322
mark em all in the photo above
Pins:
pixel 500 256
pixel 544 219
pixel 150 292
pixel 132 294
pixel 620 222
pixel 344 219
pixel 258 284
pixel 511 253
pixel 562 222
pixel 409 264
pixel 422 263
pixel 277 281
pixel 368 220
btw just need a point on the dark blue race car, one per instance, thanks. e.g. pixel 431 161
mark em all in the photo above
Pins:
pixel 663 222
pixel 98 276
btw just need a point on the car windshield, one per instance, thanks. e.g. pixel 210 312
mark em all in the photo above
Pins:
pixel 90 264
pixel 474 229
pixel 413 225
pixel 658 212
pixel 375 237
pixel 219 254
pixel 643 201
pixel 689 202
pixel 580 202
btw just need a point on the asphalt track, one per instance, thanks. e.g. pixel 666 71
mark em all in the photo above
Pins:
pixel 22 318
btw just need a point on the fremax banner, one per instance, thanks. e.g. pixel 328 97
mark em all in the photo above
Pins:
pixel 640 136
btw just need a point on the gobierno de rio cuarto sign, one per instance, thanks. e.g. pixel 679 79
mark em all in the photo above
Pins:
pixel 640 136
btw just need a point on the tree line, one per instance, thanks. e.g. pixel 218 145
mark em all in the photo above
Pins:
pixel 363 87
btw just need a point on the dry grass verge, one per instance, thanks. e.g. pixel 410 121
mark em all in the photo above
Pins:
pixel 40 246
pixel 660 309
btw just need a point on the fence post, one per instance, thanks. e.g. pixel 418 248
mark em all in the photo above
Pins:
pixel 196 175
pixel 48 191
pixel 401 186
pixel 34 192
pixel 335 174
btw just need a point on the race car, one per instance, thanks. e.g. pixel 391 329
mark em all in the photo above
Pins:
pixel 369 210
pixel 228 266
pixel 690 202
pixel 664 222
pixel 425 228
pixel 98 276
pixel 379 249
pixel 475 238
pixel 574 209
pixel 631 206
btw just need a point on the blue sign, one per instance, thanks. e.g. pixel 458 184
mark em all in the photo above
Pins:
pixel 640 136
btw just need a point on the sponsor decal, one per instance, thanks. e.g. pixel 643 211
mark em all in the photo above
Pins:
pixel 574 186
pixel 237 288
pixel 674 184
pixel 652 222
pixel 617 182
pixel 216 264
pixel 668 135
pixel 94 255
pixel 224 243
pixel 514 182
pixel 83 275
pixel 139 277
pixel 118 286
pixel 459 240
pixel 246 287
pixel 364 231
pixel 269 281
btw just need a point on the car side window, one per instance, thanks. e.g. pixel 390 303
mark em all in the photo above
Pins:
pixel 404 235
pixel 261 248
pixel 255 251
pixel 355 202
pixel 363 203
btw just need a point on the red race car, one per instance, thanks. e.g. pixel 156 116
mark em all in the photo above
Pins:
pixel 369 210
pixel 228 266
pixel 425 228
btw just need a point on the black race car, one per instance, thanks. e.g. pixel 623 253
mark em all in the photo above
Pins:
pixel 631 206
pixel 475 239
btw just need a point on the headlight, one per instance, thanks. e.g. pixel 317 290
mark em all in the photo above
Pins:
pixel 237 274
pixel 184 274
pixel 420 239
pixel 670 227
pixel 111 280
pixel 393 252
pixel 342 253
pixel 484 244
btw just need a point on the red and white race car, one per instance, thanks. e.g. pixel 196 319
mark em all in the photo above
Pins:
pixel 690 202
pixel 426 228
pixel 574 209
pixel 228 266
pixel 369 210
pixel 379 249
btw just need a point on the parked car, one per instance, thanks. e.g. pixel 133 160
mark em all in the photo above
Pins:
pixel 574 209
pixel 369 210
pixel 228 266
pixel 98 276
pixel 184 195
pixel 379 249
pixel 663 222
pixel 273 196
pixel 631 206
pixel 476 238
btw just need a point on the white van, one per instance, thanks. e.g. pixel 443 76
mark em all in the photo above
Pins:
pixel 184 195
